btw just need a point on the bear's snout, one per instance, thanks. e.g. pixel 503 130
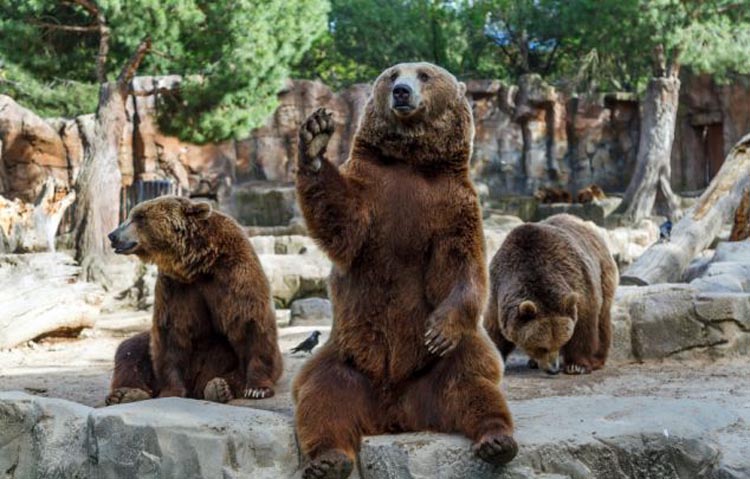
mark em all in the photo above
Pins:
pixel 402 95
pixel 121 240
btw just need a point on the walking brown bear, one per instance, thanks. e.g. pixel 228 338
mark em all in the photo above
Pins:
pixel 401 222
pixel 552 286
pixel 214 329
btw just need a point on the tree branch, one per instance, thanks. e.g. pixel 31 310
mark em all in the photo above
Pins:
pixel 129 69
pixel 551 58
pixel 68 28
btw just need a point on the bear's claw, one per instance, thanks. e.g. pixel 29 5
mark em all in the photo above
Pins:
pixel 126 395
pixel 496 448
pixel 314 135
pixel 576 369
pixel 329 465
pixel 218 390
pixel 258 393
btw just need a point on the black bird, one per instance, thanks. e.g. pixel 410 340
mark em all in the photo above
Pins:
pixel 308 344
pixel 665 230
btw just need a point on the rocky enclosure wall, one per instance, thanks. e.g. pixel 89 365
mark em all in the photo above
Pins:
pixel 527 135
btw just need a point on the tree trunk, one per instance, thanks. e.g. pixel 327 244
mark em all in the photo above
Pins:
pixel 666 262
pixel 28 227
pixel 99 180
pixel 653 170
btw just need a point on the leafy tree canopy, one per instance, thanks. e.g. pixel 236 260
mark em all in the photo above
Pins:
pixel 581 44
pixel 233 56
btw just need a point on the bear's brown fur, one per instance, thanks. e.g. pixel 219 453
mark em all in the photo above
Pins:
pixel 552 195
pixel 401 222
pixel 590 193
pixel 552 285
pixel 214 329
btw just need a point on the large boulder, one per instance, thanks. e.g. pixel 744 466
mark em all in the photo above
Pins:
pixel 559 437
pixel 284 244
pixel 677 320
pixel 296 276
pixel 190 439
pixel 728 271
pixel 31 150
pixel 264 204
pixel 579 437
pixel 311 312
pixel 42 438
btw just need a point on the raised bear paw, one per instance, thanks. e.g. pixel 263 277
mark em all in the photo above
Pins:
pixel 218 390
pixel 333 464
pixel 314 135
pixel 258 393
pixel 496 448
pixel 126 395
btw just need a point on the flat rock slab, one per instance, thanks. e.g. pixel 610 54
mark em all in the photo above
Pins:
pixel 560 437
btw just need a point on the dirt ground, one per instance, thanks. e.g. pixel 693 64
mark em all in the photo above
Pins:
pixel 79 370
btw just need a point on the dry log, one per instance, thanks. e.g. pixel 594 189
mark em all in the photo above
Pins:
pixel 741 227
pixel 666 261
pixel 40 294
pixel 28 227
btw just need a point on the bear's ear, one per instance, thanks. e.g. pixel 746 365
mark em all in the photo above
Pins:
pixel 461 89
pixel 570 302
pixel 527 309
pixel 199 210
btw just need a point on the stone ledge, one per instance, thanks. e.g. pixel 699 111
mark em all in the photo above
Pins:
pixel 560 437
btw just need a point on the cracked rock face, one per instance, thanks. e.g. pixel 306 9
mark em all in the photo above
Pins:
pixel 707 318
pixel 560 437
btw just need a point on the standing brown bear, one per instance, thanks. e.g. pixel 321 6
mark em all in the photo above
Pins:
pixel 552 285
pixel 401 222
pixel 214 329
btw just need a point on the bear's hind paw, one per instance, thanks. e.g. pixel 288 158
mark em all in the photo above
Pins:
pixel 258 393
pixel 218 390
pixel 126 395
pixel 496 448
pixel 329 465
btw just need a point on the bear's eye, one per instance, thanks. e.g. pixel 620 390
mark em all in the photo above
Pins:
pixel 394 76
pixel 423 77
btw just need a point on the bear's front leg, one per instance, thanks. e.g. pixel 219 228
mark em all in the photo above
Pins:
pixel 255 343
pixel 171 355
pixel 332 204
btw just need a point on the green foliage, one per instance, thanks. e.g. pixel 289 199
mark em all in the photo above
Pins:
pixel 58 97
pixel 579 44
pixel 233 56
pixel 366 36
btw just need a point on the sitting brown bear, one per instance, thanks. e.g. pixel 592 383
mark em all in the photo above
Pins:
pixel 549 195
pixel 552 285
pixel 214 329
pixel 401 222
pixel 590 193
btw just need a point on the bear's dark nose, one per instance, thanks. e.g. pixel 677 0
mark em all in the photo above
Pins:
pixel 401 93
pixel 112 236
